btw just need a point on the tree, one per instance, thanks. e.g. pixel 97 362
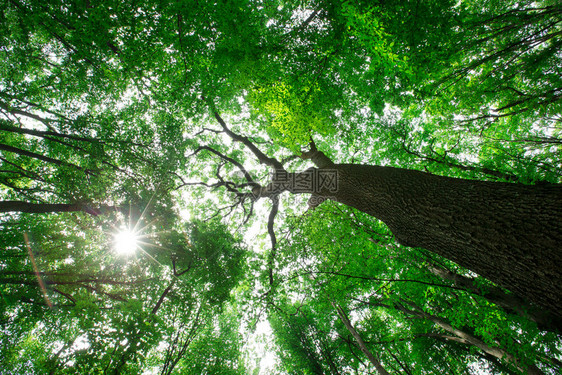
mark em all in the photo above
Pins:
pixel 508 233
pixel 305 346
pixel 345 320
pixel 467 338
pixel 444 120
pixel 93 309
pixel 359 268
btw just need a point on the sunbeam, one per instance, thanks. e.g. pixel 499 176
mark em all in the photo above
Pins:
pixel 126 242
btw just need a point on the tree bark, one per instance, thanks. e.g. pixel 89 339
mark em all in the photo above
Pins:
pixel 508 233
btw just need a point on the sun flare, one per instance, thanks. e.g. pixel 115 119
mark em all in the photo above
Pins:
pixel 126 242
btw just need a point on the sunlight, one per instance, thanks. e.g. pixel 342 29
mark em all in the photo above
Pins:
pixel 126 242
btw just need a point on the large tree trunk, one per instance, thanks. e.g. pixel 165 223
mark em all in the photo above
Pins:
pixel 509 233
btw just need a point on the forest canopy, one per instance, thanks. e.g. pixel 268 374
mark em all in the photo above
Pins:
pixel 377 183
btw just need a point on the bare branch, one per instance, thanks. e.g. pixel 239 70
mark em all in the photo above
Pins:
pixel 15 111
pixel 208 130
pixel 334 273
pixel 46 134
pixel 66 295
pixel 162 297
pixel 230 208
pixel 300 27
pixel 271 231
pixel 445 160
pixel 262 158
pixel 247 175
pixel 112 296
pixel 347 323
pixel 35 105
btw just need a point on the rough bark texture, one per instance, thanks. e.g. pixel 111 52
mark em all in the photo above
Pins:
pixel 509 233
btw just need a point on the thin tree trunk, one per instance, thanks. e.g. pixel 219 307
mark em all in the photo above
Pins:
pixel 448 339
pixel 162 297
pixel 39 157
pixel 509 302
pixel 49 134
pixel 467 338
pixel 347 323
pixel 41 208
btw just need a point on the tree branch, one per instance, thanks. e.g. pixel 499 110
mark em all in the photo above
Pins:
pixel 262 158
pixel 42 157
pixel 239 165
pixel 20 206
pixel 317 157
pixel 271 231
pixel 162 297
pixel 347 323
